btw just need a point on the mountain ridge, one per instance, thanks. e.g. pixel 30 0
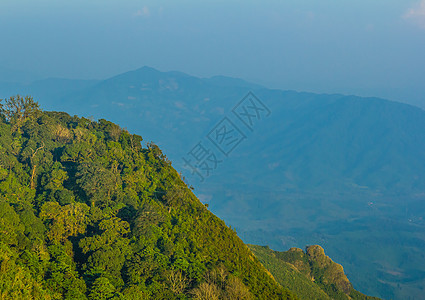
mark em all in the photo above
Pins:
pixel 88 213
pixel 345 161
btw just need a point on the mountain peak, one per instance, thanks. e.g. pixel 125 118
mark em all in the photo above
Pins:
pixel 148 69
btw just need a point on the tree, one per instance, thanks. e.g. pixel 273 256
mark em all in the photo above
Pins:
pixel 10 225
pixel 177 282
pixel 18 109
pixel 102 289
pixel 65 221
pixel 16 281
pixel 108 250
pixel 236 290
pixel 206 291
pixel 97 182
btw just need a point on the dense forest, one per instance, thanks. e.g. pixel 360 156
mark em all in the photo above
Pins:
pixel 86 212
pixel 343 170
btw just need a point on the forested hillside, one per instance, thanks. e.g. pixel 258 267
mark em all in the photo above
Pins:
pixel 341 171
pixel 86 212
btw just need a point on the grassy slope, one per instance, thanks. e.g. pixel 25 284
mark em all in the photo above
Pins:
pixel 311 274
pixel 287 275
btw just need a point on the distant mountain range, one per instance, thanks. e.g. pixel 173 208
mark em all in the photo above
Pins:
pixel 341 171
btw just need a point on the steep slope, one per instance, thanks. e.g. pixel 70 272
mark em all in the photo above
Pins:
pixel 342 171
pixel 88 213
pixel 311 274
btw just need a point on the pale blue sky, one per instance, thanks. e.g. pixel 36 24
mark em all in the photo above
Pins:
pixel 372 47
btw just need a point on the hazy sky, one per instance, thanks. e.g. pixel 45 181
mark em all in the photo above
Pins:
pixel 372 47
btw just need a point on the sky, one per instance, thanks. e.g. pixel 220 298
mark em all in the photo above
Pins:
pixel 366 48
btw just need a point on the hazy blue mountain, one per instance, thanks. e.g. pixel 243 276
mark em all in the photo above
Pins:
pixel 341 171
